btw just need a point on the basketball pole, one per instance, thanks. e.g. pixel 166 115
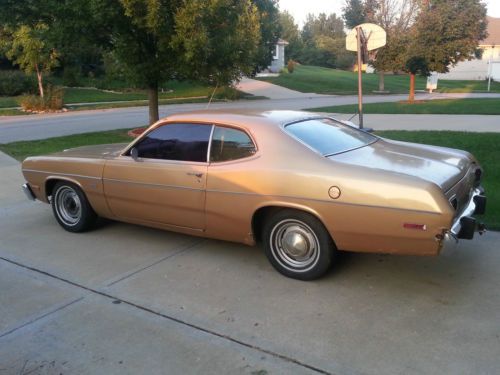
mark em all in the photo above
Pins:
pixel 359 30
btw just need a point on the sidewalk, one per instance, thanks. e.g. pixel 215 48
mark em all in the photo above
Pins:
pixel 271 91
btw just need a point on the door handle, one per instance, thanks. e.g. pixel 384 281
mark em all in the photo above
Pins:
pixel 199 175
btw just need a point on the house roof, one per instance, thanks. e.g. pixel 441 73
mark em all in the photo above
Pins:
pixel 493 31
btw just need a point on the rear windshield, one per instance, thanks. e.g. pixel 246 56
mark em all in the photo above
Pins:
pixel 329 137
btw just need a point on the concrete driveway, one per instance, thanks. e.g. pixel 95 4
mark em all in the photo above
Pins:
pixel 128 300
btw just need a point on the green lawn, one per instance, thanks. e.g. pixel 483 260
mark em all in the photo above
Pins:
pixel 485 146
pixel 332 81
pixel 23 149
pixel 8 101
pixel 439 106
pixel 170 90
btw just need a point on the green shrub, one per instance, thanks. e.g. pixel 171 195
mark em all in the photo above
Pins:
pixel 227 92
pixel 71 76
pixel 15 82
pixel 52 101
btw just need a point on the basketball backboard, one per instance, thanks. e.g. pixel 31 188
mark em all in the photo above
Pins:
pixel 374 35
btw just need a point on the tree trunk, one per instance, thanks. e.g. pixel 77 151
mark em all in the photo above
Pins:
pixel 381 81
pixel 411 97
pixel 153 104
pixel 40 81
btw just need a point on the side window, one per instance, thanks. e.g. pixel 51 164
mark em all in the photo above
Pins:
pixel 186 142
pixel 230 144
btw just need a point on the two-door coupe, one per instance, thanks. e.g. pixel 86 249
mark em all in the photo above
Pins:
pixel 303 184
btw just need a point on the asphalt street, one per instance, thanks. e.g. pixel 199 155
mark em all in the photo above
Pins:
pixel 125 299
pixel 17 128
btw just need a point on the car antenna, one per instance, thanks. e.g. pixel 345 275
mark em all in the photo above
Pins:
pixel 212 96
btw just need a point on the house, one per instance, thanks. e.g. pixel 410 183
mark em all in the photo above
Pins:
pixel 480 69
pixel 278 62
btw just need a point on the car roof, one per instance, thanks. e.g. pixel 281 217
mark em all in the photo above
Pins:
pixel 242 118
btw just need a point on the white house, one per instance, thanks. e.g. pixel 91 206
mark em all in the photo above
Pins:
pixel 489 63
pixel 278 62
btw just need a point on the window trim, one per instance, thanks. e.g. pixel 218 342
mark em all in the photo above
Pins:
pixel 210 162
pixel 126 152
pixel 213 124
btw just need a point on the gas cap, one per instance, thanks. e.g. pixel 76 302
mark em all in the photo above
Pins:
pixel 334 192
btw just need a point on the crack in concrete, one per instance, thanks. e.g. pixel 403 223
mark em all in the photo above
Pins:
pixel 181 250
pixel 41 316
pixel 173 319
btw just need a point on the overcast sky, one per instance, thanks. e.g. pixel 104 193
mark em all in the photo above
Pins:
pixel 300 8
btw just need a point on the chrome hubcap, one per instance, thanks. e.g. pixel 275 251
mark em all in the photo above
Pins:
pixel 295 245
pixel 68 205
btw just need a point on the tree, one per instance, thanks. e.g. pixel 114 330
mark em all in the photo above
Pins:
pixel 217 40
pixel 290 33
pixel 415 65
pixel 444 33
pixel 139 35
pixel 67 27
pixel 29 49
pixel 323 37
pixel 394 16
pixel 269 31
pixel 353 13
pixel 449 31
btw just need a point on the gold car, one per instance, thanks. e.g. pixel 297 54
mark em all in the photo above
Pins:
pixel 303 184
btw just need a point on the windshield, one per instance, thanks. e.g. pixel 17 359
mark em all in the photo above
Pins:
pixel 329 137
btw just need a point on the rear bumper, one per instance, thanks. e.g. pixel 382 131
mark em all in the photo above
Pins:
pixel 465 225
pixel 28 192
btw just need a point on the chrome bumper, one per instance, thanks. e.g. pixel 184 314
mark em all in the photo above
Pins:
pixel 29 193
pixel 464 226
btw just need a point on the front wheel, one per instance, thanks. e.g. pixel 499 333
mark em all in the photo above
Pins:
pixel 298 245
pixel 71 207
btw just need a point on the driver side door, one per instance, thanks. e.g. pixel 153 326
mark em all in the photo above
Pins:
pixel 166 183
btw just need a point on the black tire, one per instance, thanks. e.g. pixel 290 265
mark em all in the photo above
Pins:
pixel 71 207
pixel 298 245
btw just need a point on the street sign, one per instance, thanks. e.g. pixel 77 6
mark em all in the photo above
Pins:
pixel 375 37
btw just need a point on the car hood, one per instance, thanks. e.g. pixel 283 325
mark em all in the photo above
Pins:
pixel 97 151
pixel 442 166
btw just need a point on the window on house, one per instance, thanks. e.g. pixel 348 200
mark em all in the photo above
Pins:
pixel 276 55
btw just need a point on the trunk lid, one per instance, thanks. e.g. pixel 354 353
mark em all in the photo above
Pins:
pixel 442 166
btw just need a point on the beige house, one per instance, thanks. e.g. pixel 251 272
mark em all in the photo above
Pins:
pixel 489 63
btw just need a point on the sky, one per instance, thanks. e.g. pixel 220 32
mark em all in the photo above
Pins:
pixel 300 8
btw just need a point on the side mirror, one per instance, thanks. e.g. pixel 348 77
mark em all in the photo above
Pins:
pixel 134 153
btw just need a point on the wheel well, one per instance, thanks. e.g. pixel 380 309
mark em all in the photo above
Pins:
pixel 259 218
pixel 49 186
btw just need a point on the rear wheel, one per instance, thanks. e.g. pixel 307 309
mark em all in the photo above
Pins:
pixel 298 245
pixel 71 207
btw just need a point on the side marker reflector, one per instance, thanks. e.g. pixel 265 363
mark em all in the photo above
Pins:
pixel 415 226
